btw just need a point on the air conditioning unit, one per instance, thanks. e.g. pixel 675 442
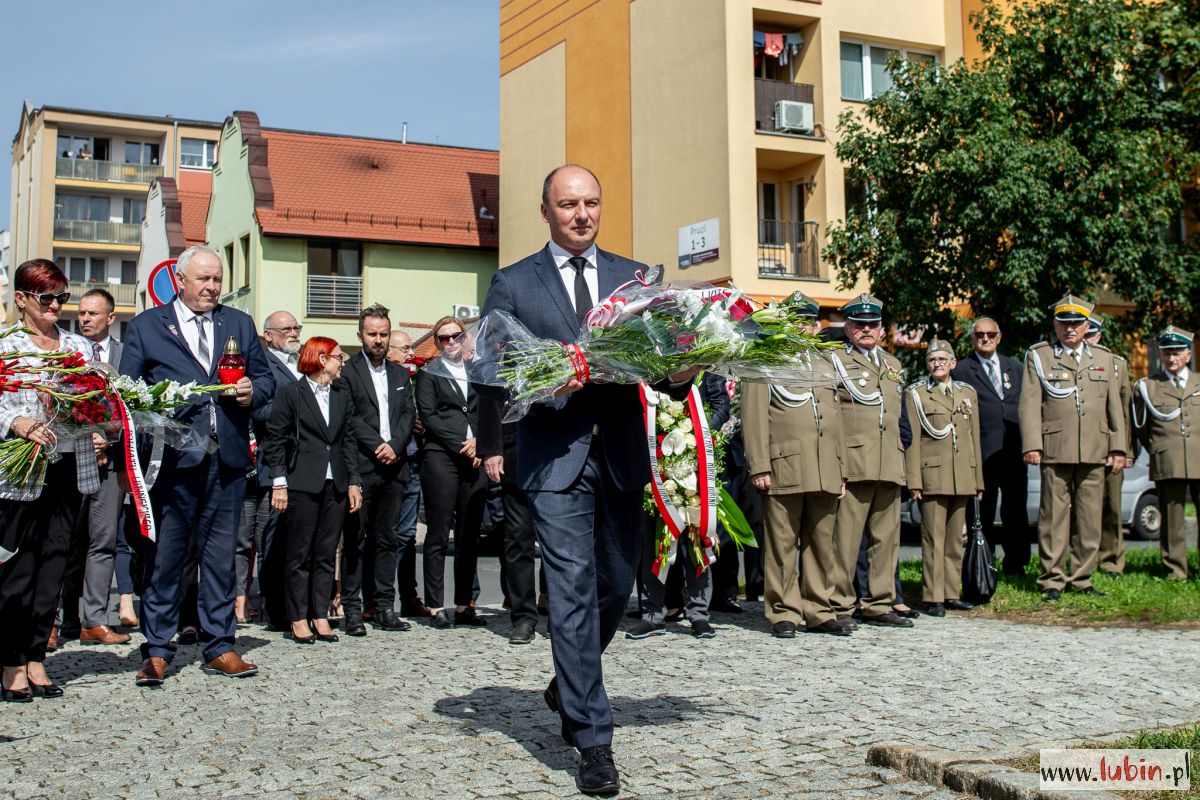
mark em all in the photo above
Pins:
pixel 465 312
pixel 793 117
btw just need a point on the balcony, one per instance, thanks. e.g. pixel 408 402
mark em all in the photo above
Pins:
pixel 789 249
pixel 86 169
pixel 125 294
pixel 768 92
pixel 334 296
pixel 86 230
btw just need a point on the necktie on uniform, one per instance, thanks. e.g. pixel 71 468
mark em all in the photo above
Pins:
pixel 96 354
pixel 994 377
pixel 583 295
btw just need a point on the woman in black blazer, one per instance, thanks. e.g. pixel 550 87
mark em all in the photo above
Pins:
pixel 310 455
pixel 452 483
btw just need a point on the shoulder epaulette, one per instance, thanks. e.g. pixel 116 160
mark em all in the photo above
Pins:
pixel 1039 345
pixel 963 385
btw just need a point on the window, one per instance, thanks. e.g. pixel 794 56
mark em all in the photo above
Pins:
pixel 197 153
pixel 864 68
pixel 74 206
pixel 141 153
pixel 332 257
pixel 129 272
pixel 98 272
pixel 768 213
pixel 244 243
pixel 133 210
pixel 78 271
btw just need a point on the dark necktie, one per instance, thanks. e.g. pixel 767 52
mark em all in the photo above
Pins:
pixel 990 369
pixel 583 295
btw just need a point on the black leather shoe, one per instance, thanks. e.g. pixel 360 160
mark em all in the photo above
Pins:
pixel 468 617
pixel 847 621
pixel 46 690
pixel 551 695
pixel 327 637
pixel 389 620
pixel 784 630
pixel 701 629
pixel 959 605
pixel 888 619
pixel 522 633
pixel 1052 595
pixel 597 772
pixel 17 696
pixel 908 613
pixel 935 609
pixel 830 626
pixel 189 635
pixel 725 605
pixel 442 619
pixel 355 626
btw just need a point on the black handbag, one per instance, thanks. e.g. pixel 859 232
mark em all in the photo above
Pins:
pixel 979 565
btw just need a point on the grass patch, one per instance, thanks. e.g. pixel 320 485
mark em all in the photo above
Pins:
pixel 1141 596
pixel 1185 738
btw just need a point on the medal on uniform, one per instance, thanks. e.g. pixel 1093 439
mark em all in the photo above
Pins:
pixel 862 381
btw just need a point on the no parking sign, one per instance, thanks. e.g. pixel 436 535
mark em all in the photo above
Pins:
pixel 161 285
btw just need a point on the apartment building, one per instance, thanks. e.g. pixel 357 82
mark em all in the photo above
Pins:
pixel 710 123
pixel 79 190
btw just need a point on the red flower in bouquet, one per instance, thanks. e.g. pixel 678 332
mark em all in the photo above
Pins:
pixel 413 364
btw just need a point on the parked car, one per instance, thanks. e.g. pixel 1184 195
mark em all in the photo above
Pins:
pixel 1139 503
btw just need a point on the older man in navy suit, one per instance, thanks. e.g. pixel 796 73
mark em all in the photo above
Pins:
pixel 198 495
pixel 996 379
pixel 582 460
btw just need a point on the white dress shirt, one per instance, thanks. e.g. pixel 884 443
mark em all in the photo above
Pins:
pixel 591 273
pixel 322 394
pixel 459 373
pixel 379 378
pixel 191 332
pixel 288 360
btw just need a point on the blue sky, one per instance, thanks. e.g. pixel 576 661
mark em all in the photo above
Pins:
pixel 360 67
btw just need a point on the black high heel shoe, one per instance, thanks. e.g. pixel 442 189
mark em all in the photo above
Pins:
pixel 310 639
pixel 322 637
pixel 17 696
pixel 49 690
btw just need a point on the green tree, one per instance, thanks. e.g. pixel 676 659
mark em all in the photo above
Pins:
pixel 1056 164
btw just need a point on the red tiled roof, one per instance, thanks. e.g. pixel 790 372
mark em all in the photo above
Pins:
pixel 195 216
pixel 375 190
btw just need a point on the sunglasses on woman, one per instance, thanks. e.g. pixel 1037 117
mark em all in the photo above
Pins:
pixel 450 337
pixel 46 298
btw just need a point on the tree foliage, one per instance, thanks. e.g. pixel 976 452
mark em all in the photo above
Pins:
pixel 1056 164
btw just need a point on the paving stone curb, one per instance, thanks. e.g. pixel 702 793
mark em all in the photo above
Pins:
pixel 977 774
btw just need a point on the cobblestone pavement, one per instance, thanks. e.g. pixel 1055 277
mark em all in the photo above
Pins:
pixel 449 714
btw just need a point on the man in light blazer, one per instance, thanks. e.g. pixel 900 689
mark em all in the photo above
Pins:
pixel 198 494
pixel 996 379
pixel 582 460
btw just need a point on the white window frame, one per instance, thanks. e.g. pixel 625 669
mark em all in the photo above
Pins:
pixel 866 45
pixel 208 154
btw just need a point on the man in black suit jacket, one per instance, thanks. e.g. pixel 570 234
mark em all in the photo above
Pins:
pixel 996 379
pixel 582 461
pixel 384 412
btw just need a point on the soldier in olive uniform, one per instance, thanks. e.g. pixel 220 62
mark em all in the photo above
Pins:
pixel 1072 427
pixel 869 390
pixel 1167 414
pixel 1112 531
pixel 945 470
pixel 793 439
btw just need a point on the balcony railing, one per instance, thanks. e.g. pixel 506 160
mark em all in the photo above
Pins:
pixel 86 169
pixel 768 92
pixel 789 249
pixel 125 294
pixel 86 230
pixel 334 296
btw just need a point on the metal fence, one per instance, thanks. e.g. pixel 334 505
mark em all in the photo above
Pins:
pixel 86 230
pixel 124 293
pixel 789 249
pixel 334 296
pixel 109 171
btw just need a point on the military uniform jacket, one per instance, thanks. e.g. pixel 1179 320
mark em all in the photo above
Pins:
pixel 1121 373
pixel 869 394
pixel 795 434
pixel 1071 412
pixel 1173 439
pixel 944 457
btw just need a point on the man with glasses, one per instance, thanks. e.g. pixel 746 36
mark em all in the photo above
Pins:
pixel 1167 414
pixel 996 379
pixel 259 526
pixel 1073 428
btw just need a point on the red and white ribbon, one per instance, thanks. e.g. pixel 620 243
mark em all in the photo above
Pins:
pixel 138 490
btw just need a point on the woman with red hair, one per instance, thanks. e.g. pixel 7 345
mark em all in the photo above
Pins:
pixel 309 453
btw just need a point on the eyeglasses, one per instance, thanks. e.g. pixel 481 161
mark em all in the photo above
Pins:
pixel 404 348
pixel 46 298
pixel 338 356
pixel 288 329
pixel 937 360
pixel 987 334
pixel 452 337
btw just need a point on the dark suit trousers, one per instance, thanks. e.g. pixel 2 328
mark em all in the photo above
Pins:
pixel 1005 474
pixel 369 548
pixel 519 558
pixel 197 508
pixel 93 558
pixel 454 496
pixel 591 537
pixel 314 521
pixel 31 581
pixel 406 538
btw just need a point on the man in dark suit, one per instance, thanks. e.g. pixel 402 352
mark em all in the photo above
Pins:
pixel 198 495
pixel 260 523
pixel 90 573
pixel 996 379
pixel 384 411
pixel 582 461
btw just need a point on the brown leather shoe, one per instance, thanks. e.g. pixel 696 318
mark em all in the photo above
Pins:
pixel 102 634
pixel 152 672
pixel 414 608
pixel 231 665
pixel 52 642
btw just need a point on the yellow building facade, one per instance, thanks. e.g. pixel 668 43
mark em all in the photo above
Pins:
pixel 703 138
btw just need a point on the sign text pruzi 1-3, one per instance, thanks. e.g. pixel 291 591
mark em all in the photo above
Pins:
pixel 700 242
